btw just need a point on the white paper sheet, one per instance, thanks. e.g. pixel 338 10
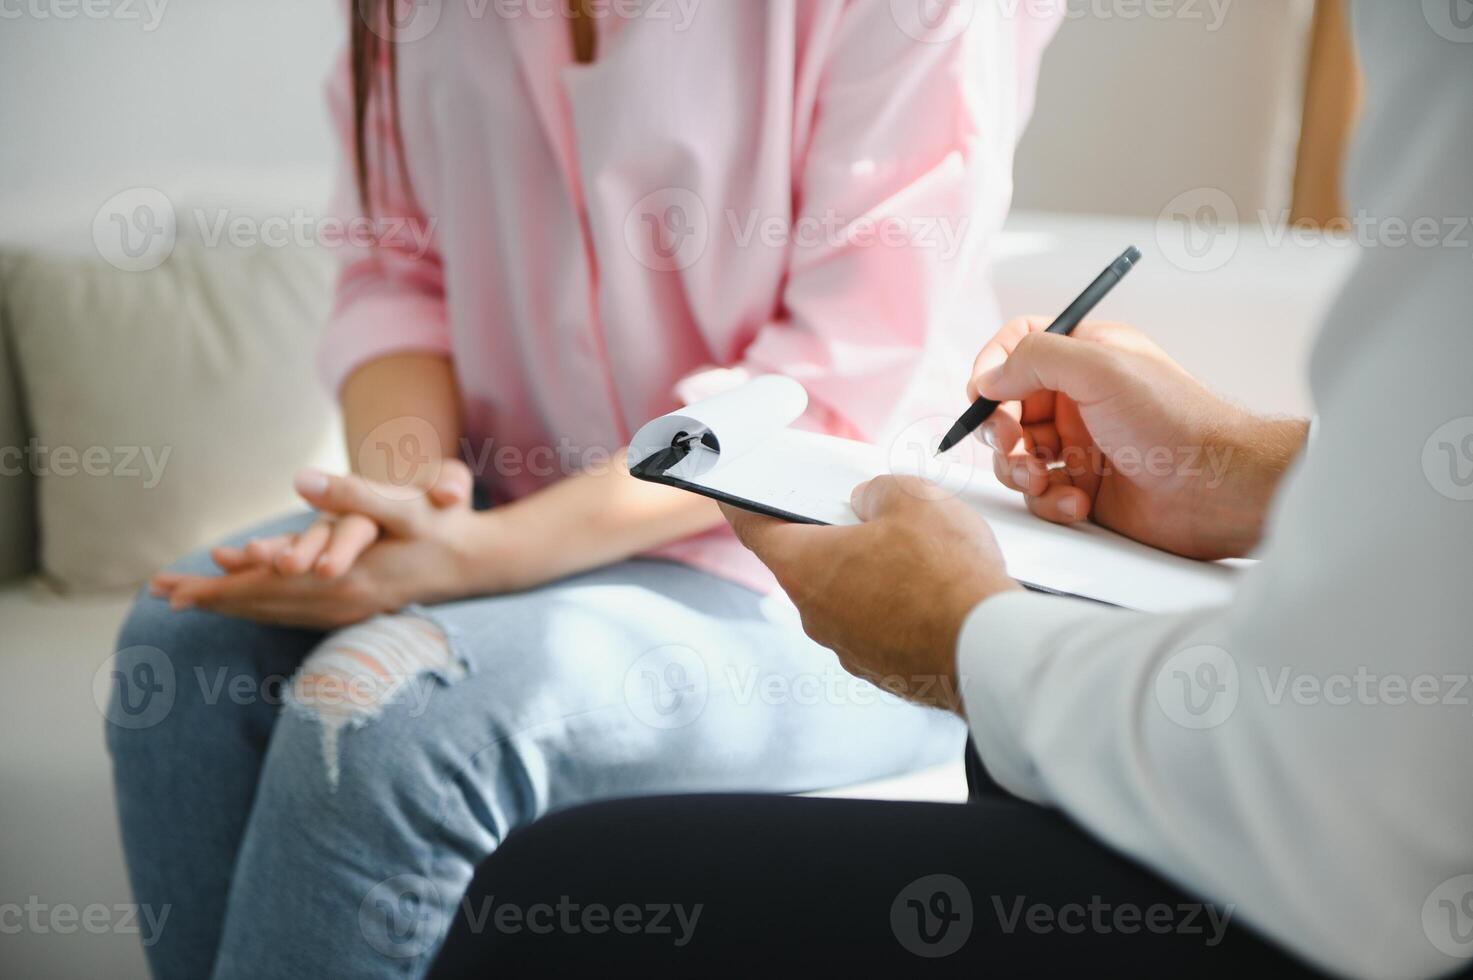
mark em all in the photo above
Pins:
pixel 811 475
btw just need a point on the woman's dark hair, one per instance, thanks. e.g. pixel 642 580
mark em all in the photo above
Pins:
pixel 375 65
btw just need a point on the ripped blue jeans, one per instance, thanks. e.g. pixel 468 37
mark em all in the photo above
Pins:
pixel 313 805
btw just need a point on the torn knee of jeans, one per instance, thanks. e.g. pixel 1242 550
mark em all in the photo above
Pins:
pixel 356 673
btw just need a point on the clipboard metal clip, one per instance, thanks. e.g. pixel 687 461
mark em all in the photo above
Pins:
pixel 657 464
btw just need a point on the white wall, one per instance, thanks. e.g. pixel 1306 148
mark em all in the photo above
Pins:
pixel 1140 100
pixel 212 99
pixel 215 98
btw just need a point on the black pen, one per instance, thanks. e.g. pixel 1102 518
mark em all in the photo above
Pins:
pixel 983 408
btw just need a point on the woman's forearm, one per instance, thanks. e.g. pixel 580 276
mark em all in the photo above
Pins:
pixel 400 413
pixel 583 522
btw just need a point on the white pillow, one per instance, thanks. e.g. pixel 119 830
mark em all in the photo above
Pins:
pixel 170 407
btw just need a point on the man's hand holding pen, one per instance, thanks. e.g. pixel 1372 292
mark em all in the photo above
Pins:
pixel 1080 419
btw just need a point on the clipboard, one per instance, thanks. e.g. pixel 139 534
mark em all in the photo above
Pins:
pixel 740 448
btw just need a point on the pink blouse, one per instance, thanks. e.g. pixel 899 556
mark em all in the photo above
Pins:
pixel 733 188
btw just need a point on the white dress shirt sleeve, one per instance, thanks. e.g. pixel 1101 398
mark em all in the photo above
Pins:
pixel 1302 755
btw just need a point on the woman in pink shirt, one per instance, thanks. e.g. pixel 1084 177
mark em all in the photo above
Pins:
pixel 579 221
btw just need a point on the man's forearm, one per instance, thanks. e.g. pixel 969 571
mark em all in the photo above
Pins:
pixel 1247 465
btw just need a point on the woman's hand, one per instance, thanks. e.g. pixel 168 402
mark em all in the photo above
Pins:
pixel 424 553
pixel 1104 424
pixel 332 543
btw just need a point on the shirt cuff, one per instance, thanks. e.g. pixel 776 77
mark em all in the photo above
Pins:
pixel 377 326
pixel 1001 652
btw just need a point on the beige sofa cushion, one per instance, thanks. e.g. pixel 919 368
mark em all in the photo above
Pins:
pixel 169 407
pixel 17 485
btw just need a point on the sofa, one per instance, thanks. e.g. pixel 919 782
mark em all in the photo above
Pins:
pixel 143 414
